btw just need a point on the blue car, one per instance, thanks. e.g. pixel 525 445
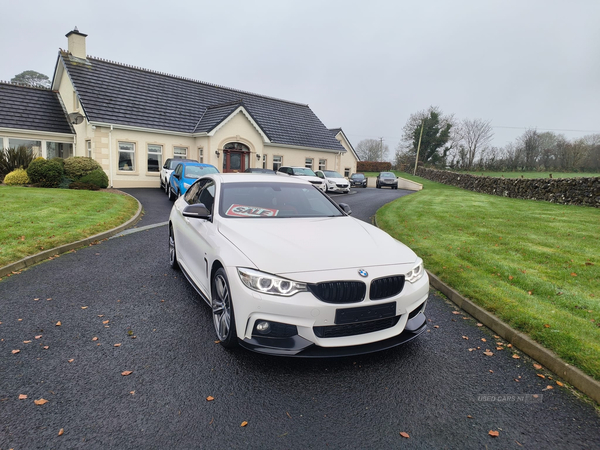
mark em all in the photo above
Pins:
pixel 184 176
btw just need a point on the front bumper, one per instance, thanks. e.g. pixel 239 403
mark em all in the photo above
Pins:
pixel 316 331
pixel 302 348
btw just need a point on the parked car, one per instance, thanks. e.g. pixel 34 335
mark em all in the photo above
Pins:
pixel 334 181
pixel 185 174
pixel 305 173
pixel 167 169
pixel 259 170
pixel 386 179
pixel 358 180
pixel 240 240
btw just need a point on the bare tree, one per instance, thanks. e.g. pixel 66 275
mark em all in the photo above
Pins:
pixel 372 150
pixel 529 146
pixel 473 136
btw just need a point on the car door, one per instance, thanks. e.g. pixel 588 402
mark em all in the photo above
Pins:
pixel 196 239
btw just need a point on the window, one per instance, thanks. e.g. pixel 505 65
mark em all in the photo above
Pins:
pixel 347 172
pixel 88 146
pixel 277 162
pixel 322 164
pixel 58 150
pixel 180 152
pixel 34 146
pixel 127 156
pixel 308 163
pixel 200 154
pixel 264 161
pixel 154 157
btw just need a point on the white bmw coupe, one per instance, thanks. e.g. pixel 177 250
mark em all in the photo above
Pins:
pixel 288 272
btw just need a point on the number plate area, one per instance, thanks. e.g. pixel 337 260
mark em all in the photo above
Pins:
pixel 365 313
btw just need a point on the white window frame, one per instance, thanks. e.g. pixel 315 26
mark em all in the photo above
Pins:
pixel 347 171
pixel 264 161
pixel 178 156
pixel 160 158
pixel 88 147
pixel 200 154
pixel 308 163
pixel 124 150
pixel 277 161
pixel 322 164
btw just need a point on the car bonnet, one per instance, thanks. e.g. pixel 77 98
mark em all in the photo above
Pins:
pixel 287 245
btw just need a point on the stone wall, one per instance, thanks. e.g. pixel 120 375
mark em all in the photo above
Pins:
pixel 567 191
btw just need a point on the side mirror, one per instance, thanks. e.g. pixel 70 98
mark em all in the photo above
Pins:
pixel 197 211
pixel 346 208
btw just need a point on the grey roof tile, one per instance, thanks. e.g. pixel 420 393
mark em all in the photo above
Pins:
pixel 125 95
pixel 32 108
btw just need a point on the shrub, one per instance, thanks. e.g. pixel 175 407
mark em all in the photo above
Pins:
pixel 83 186
pixel 13 158
pixel 45 173
pixel 17 176
pixel 79 166
pixel 97 177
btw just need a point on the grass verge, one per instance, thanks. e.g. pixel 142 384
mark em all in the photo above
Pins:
pixel 36 219
pixel 535 265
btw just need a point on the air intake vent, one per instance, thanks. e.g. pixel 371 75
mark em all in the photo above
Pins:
pixel 339 291
pixel 352 329
pixel 386 287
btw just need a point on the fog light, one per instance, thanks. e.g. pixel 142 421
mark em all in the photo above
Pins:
pixel 263 327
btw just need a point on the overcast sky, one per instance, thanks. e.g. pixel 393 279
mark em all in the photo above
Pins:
pixel 362 65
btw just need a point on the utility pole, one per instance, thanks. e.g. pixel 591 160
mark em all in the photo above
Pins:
pixel 381 149
pixel 419 147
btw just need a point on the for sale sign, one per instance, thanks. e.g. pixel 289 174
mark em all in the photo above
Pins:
pixel 250 211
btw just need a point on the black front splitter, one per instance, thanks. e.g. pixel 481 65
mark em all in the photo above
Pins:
pixel 299 347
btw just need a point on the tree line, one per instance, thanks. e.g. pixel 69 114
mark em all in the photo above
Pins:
pixel 443 141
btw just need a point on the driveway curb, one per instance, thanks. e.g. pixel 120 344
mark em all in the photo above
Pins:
pixel 547 358
pixel 46 254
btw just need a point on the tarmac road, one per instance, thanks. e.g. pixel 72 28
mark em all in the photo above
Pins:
pixel 122 291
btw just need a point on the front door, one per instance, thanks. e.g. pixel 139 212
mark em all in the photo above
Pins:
pixel 236 157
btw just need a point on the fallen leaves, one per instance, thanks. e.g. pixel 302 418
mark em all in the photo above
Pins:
pixel 126 372
pixel 559 383
pixel 488 353
pixel 70 360
pixel 117 345
pixel 540 375
pixel 41 401
pixel 515 356
pixel 58 324
pixel 494 433
pixel 61 431
pixel 14 352
pixel 210 398
pixel 22 396
pixel 537 366
pixel 243 424
pixel 404 434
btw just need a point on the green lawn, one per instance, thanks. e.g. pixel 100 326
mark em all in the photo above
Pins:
pixel 536 265
pixel 36 219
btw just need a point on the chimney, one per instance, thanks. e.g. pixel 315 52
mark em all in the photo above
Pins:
pixel 77 43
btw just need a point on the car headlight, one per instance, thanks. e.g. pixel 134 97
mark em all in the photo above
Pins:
pixel 331 181
pixel 186 185
pixel 269 284
pixel 416 273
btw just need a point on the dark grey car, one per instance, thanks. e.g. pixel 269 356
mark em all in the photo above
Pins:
pixel 386 179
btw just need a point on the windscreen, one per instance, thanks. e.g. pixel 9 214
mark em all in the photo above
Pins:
pixel 274 200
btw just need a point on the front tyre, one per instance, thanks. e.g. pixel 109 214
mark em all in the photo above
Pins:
pixel 172 195
pixel 222 310
pixel 172 250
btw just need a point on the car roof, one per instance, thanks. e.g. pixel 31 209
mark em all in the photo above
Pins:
pixel 196 163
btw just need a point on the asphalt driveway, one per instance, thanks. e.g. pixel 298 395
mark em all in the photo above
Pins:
pixel 123 351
